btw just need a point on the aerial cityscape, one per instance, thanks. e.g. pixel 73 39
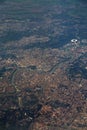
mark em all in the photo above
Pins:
pixel 43 65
